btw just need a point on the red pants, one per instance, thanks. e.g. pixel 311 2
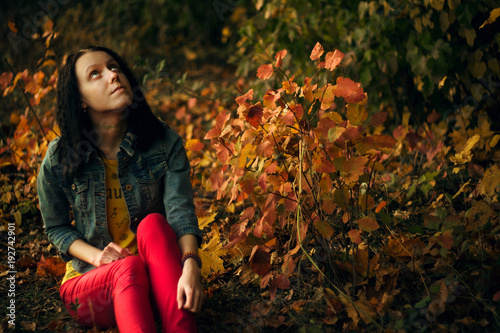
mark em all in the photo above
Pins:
pixel 118 294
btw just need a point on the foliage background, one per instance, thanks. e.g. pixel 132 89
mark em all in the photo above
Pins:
pixel 413 244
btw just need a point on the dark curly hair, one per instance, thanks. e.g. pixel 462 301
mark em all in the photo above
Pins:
pixel 75 125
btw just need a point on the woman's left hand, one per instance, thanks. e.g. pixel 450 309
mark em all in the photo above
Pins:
pixel 189 291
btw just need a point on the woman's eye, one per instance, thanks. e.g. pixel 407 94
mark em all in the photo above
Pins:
pixel 115 68
pixel 94 74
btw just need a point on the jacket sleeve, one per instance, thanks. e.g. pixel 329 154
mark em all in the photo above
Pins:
pixel 55 208
pixel 178 193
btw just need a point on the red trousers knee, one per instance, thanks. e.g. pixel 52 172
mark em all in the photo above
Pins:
pixel 123 293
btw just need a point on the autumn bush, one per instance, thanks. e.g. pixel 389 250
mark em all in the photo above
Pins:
pixel 384 225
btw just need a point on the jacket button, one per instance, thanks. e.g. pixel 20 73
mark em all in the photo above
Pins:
pixel 73 186
pixel 128 187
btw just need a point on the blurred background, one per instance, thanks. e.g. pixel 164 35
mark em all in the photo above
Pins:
pixel 400 51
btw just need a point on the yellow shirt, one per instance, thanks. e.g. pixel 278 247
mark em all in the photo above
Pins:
pixel 116 214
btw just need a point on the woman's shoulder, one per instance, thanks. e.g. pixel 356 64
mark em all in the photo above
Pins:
pixel 52 149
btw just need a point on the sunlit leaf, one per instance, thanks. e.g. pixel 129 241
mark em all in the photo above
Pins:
pixel 332 59
pixel 351 91
pixel 194 145
pixel 317 51
pixel 264 72
pixel 279 56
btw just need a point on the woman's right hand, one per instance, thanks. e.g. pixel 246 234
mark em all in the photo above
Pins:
pixel 111 252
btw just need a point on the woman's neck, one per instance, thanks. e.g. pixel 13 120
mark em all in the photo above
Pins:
pixel 111 134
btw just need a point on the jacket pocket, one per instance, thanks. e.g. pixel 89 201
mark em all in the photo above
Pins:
pixel 150 177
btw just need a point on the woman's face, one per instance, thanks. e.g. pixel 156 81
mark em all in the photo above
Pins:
pixel 102 84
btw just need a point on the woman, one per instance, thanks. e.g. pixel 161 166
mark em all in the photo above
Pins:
pixel 121 174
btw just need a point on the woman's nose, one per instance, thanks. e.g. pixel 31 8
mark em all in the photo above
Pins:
pixel 113 75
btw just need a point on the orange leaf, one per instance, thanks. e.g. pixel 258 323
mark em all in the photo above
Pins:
pixel 380 206
pixel 254 114
pixel 332 59
pixel 355 167
pixel 355 236
pixel 243 98
pixel 265 72
pixel 12 27
pixel 351 91
pixel 368 224
pixel 279 56
pixel 5 79
pixel 317 51
pixel 194 145
pixel 220 121
pixel 260 260
pixel 383 141
pixel 52 266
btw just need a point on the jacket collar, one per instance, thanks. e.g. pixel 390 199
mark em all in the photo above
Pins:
pixel 128 145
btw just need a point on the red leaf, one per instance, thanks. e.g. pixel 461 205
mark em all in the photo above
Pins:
pixel 433 117
pixel 368 224
pixel 265 72
pixel 355 236
pixel 254 114
pixel 317 51
pixel 378 119
pixel 496 297
pixel 279 56
pixel 260 260
pixel 351 91
pixel 332 59
pixel 446 239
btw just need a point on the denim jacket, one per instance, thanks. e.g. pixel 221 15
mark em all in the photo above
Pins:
pixel 153 181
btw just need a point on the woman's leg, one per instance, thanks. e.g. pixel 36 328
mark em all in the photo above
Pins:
pixel 113 294
pixel 160 252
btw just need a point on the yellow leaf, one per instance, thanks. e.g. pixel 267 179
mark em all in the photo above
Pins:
pixel 465 155
pixel 494 141
pixel 18 218
pixel 356 113
pixel 210 254
pixel 437 4
pixel 494 14
pixel 490 181
pixel 470 35
pixel 206 220
pixel 441 83
pixel 463 189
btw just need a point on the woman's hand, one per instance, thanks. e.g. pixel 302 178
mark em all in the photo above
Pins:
pixel 189 291
pixel 111 252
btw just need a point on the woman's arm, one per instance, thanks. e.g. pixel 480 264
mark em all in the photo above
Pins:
pixel 189 290
pixel 82 250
